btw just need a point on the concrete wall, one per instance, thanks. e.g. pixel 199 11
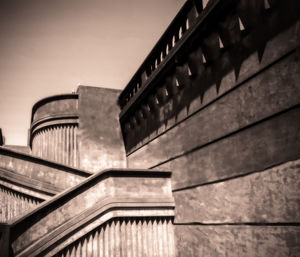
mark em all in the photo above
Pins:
pixel 111 213
pixel 53 106
pixel 99 134
pixel 53 131
pixel 79 130
pixel 44 174
pixel 232 140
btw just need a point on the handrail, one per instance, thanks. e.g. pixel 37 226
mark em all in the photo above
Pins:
pixel 41 161
pixel 71 192
pixel 27 185
pixel 118 193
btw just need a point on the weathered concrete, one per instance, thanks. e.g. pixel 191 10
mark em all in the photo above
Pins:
pixel 19 194
pixel 57 176
pixel 245 54
pixel 53 106
pixel 218 110
pixel 112 193
pixel 53 131
pixel 258 98
pixel 269 143
pixel 268 196
pixel 126 237
pixel 13 204
pixel 248 241
pixel 99 135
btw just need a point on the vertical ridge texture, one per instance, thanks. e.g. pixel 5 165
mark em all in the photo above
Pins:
pixel 126 237
pixel 57 143
pixel 14 204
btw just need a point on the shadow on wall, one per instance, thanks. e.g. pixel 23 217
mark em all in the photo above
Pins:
pixel 222 43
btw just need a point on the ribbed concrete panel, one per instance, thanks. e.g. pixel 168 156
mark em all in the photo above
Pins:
pixel 14 203
pixel 57 143
pixel 134 237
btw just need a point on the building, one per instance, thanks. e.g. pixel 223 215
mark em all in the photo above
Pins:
pixel 202 159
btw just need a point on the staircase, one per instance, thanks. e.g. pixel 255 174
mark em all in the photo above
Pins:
pixel 116 212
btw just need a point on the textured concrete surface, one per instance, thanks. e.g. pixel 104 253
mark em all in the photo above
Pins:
pixel 229 70
pixel 254 100
pixel 269 196
pixel 272 142
pixel 241 241
pixel 43 172
pixel 99 135
pixel 53 129
pixel 96 198
pixel 126 237
pixel 56 106
pixel 14 204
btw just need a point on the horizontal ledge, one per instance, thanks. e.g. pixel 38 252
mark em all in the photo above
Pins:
pixel 28 183
pixel 231 177
pixel 275 115
pixel 41 161
pixel 50 99
pixel 258 224
pixel 56 117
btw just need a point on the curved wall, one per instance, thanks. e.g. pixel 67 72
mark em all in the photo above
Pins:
pixel 53 131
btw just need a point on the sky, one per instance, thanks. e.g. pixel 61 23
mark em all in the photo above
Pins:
pixel 49 47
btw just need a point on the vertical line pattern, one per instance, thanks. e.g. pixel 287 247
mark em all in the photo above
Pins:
pixel 57 143
pixel 14 204
pixel 126 237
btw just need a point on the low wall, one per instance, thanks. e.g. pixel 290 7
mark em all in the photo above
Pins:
pixel 54 176
pixel 19 194
pixel 122 207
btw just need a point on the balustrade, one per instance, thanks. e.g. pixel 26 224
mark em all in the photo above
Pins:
pixel 204 42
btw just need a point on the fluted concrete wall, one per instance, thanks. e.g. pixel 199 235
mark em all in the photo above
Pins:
pixel 14 203
pixel 129 209
pixel 126 237
pixel 53 132
pixel 57 143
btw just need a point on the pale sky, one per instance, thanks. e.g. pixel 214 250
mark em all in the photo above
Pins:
pixel 48 47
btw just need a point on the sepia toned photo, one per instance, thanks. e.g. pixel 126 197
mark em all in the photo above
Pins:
pixel 137 128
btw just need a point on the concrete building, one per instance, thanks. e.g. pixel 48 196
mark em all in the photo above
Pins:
pixel 199 155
